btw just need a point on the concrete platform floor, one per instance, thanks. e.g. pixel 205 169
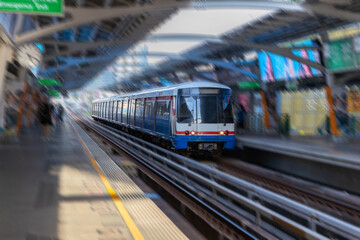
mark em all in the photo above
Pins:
pixel 51 191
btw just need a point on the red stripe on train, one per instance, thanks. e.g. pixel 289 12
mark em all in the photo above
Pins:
pixel 204 133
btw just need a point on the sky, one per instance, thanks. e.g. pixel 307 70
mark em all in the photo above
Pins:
pixel 192 21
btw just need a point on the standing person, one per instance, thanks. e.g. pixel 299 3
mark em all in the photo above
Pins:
pixel 341 113
pixel 60 112
pixel 241 117
pixel 45 112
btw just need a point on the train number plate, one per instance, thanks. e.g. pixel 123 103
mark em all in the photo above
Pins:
pixel 210 146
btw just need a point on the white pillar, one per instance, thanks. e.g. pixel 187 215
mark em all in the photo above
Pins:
pixel 5 54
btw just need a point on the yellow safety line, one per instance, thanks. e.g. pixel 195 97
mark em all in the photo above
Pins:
pixel 119 205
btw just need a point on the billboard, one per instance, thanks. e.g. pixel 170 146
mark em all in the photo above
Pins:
pixel 342 54
pixel 278 68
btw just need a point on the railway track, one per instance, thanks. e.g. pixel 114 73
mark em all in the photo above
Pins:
pixel 211 215
pixel 234 208
pixel 338 204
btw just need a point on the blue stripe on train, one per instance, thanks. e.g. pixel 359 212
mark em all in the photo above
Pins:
pixel 182 140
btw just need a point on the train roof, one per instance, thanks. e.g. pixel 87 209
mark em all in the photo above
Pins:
pixel 149 92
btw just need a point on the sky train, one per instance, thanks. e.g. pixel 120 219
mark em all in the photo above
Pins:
pixel 188 117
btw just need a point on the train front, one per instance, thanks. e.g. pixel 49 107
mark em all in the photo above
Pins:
pixel 204 120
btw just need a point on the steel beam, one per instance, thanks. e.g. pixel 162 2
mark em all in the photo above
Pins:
pixel 82 16
pixel 331 11
pixel 75 61
pixel 251 4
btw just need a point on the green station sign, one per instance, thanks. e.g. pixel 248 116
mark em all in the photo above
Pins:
pixel 54 93
pixel 49 82
pixel 43 7
pixel 343 54
pixel 249 85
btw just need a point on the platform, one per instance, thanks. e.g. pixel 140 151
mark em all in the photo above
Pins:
pixel 69 188
pixel 319 149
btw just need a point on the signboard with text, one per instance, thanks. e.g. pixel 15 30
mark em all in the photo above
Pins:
pixel 339 55
pixel 342 54
pixel 43 7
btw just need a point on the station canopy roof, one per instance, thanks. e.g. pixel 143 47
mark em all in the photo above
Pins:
pixel 94 33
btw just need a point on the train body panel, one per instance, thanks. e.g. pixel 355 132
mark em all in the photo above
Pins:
pixel 193 116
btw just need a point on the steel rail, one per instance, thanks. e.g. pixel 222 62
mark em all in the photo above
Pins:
pixel 279 215
pixel 230 232
pixel 340 207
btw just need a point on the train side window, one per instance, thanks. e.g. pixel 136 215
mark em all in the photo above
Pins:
pixel 139 111
pixel 110 110
pixel 125 111
pixel 149 115
pixel 111 104
pixel 162 117
pixel 131 111
pixel 114 110
pixel 118 116
pixel 105 109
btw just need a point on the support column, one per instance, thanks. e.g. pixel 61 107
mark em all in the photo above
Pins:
pixel 5 54
pixel 265 109
pixel 329 92
pixel 332 116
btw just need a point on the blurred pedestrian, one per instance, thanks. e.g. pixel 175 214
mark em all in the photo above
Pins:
pixel 60 113
pixel 45 117
pixel 240 117
pixel 341 114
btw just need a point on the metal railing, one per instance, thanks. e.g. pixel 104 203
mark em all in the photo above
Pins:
pixel 278 215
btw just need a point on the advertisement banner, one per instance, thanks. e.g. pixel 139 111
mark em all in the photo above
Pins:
pixel 353 99
pixel 278 68
pixel 244 100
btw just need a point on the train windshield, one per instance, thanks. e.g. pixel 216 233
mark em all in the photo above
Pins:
pixel 187 109
pixel 205 106
pixel 207 110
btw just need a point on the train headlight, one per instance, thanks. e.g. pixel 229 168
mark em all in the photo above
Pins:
pixel 187 132
pixel 221 132
pixel 226 132
pixel 192 132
